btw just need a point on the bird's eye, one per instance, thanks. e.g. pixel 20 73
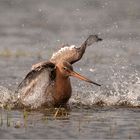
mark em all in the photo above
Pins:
pixel 65 68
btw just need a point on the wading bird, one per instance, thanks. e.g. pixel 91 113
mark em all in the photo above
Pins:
pixel 48 83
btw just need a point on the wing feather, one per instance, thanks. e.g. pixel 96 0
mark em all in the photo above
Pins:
pixel 34 88
pixel 71 53
pixel 65 53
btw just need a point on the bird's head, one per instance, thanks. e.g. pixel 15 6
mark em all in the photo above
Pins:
pixel 66 70
pixel 91 39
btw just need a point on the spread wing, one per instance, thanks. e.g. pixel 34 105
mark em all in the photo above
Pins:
pixel 71 53
pixel 34 88
pixel 66 53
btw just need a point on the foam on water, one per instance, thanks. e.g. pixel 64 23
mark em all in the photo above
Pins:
pixel 7 97
pixel 118 92
pixel 124 93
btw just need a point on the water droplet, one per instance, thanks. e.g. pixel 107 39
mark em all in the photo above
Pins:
pixel 22 25
pixel 106 3
pixel 40 10
pixel 77 9
pixel 91 69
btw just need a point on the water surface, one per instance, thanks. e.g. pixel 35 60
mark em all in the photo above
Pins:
pixel 30 31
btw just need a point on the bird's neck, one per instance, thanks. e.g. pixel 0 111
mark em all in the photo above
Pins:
pixel 62 88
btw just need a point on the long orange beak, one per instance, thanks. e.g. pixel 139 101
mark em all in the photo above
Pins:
pixel 77 75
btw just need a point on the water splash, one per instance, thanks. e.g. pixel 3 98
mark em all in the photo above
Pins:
pixel 7 97
pixel 122 90
pixel 118 93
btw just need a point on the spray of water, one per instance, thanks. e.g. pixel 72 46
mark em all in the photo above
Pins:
pixel 120 92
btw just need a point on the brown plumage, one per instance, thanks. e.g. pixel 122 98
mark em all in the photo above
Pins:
pixel 48 83
pixel 72 54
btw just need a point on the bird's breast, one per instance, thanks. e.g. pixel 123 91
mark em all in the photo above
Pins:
pixel 63 91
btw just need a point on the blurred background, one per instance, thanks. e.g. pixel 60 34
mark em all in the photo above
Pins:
pixel 31 30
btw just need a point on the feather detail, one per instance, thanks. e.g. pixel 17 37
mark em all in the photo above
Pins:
pixel 63 54
pixel 71 53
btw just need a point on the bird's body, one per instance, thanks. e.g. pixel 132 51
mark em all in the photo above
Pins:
pixel 63 90
pixel 48 83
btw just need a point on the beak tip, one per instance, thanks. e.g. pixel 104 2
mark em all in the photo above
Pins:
pixel 100 39
pixel 96 84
